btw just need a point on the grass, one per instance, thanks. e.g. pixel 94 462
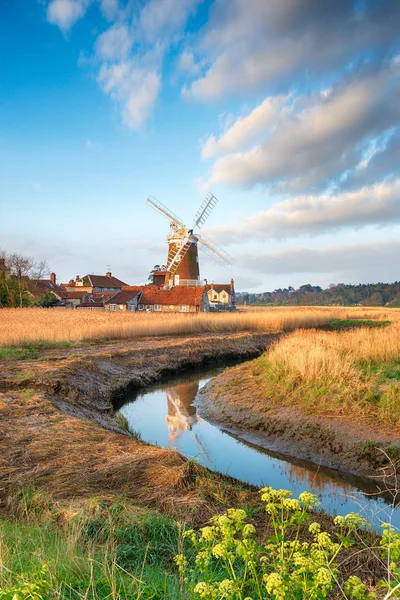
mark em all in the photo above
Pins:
pixel 346 324
pixel 33 328
pixel 96 551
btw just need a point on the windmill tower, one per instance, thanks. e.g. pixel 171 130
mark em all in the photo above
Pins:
pixel 183 260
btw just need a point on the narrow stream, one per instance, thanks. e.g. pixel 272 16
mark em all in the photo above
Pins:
pixel 166 416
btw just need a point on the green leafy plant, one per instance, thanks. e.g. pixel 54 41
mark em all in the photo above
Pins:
pixel 230 564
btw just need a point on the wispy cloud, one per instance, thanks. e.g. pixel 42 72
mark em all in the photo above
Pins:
pixel 253 44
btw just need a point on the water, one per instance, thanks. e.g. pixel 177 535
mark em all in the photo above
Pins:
pixel 166 415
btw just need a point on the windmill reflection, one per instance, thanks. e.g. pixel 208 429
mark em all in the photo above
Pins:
pixel 181 414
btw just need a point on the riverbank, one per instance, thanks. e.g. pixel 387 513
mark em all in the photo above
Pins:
pixel 59 434
pixel 327 397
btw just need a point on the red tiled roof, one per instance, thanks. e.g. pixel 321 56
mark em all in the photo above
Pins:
pixel 75 295
pixel 124 296
pixel 176 296
pixel 102 281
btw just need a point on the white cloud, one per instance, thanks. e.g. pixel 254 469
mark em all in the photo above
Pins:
pixel 65 13
pixel 134 89
pixel 115 43
pixel 311 140
pixel 378 204
pixel 245 130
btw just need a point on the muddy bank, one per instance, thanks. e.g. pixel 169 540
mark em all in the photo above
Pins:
pixel 230 402
pixel 55 412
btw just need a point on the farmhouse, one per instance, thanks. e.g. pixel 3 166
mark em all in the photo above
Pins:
pixel 221 296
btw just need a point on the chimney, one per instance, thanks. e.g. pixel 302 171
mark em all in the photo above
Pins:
pixel 53 278
pixel 108 274
pixel 77 278
pixel 232 287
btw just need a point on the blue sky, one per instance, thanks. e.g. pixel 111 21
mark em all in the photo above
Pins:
pixel 288 110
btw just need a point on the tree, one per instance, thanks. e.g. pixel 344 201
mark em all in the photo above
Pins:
pixel 22 268
pixel 150 278
pixel 47 300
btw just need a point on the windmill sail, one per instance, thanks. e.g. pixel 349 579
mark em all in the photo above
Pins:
pixel 161 208
pixel 213 250
pixel 205 210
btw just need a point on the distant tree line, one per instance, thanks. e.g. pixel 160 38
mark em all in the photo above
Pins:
pixel 341 294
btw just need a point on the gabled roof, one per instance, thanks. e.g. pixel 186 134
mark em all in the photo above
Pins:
pixel 40 287
pixel 102 281
pixel 219 287
pixel 176 296
pixel 123 297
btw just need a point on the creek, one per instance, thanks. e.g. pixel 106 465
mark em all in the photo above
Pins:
pixel 166 415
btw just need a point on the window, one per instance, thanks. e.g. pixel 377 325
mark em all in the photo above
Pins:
pixel 184 308
pixel 148 307
pixel 121 307
pixel 157 307
pixel 113 307
pixel 215 297
pixel 141 307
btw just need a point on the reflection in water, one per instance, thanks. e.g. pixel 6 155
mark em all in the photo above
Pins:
pixel 166 416
pixel 181 415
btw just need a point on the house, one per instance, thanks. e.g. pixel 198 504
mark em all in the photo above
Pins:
pixel 40 287
pixel 177 299
pixel 127 299
pixel 95 284
pixel 221 296
pixel 95 300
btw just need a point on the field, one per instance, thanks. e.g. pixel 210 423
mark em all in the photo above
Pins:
pixel 35 325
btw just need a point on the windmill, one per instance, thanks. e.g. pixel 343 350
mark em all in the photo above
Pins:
pixel 183 262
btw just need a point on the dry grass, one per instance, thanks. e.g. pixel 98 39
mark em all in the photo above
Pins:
pixel 354 372
pixel 33 325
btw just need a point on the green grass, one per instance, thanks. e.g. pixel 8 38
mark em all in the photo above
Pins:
pixel 346 324
pixel 12 353
pixel 30 351
pixel 105 551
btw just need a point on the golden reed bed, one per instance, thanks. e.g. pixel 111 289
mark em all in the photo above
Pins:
pixel 32 325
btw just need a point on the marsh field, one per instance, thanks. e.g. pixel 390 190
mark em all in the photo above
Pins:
pixel 90 511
